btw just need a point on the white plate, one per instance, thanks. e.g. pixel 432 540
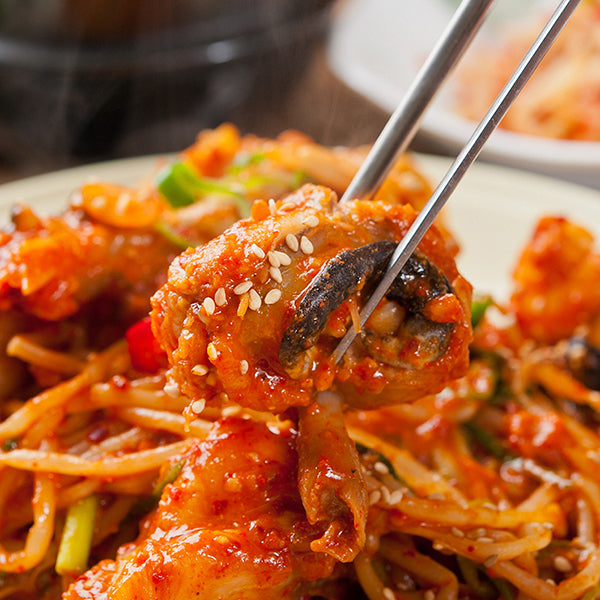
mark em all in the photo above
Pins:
pixel 377 47
pixel 492 212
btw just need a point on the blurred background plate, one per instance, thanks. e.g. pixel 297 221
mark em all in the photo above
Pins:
pixel 376 48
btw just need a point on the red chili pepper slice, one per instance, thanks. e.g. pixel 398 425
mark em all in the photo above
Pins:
pixel 145 351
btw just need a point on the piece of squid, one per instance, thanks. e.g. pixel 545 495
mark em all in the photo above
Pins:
pixel 226 307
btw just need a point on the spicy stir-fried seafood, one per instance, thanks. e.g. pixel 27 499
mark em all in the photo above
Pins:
pixel 216 452
pixel 227 305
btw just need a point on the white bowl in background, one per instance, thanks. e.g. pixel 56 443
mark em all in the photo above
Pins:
pixel 377 47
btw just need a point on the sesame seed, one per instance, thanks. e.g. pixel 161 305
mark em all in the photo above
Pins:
pixel 457 532
pixel 284 259
pixel 257 250
pixel 388 594
pixel 292 242
pixel 209 305
pixel 171 389
pixel 490 561
pixel 306 245
pixel 212 352
pixel 395 497
pixel 484 539
pixel 243 305
pixel 200 370
pixel 548 526
pixel 243 367
pixel 242 288
pixel 272 206
pixel 287 206
pixel 477 533
pixel 385 494
pixel 562 564
pixel 276 274
pixel 374 497
pixel 220 297
pixel 273 259
pixel 272 296
pixel 254 301
pixel 429 595
pixel 381 467
pixel 198 406
pixel 311 221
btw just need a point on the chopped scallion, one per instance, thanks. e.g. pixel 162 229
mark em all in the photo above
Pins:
pixel 76 541
pixel 478 308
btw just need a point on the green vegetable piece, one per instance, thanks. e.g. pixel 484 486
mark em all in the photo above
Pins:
pixel 489 442
pixel 177 184
pixel 169 477
pixel 478 308
pixel 76 541
pixel 10 444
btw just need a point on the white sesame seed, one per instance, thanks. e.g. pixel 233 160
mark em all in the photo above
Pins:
pixel 287 206
pixel 490 561
pixel 484 539
pixel 388 594
pixel 284 259
pixel 395 497
pixel 273 259
pixel 374 497
pixel 209 305
pixel 220 297
pixel 310 221
pixel 255 301
pixel 276 274
pixel 198 406
pixel 257 251
pixel 381 467
pixel 562 564
pixel 243 367
pixel 306 245
pixel 385 494
pixel 242 288
pixel 272 206
pixel 200 370
pixel 243 305
pixel 548 526
pixel 292 242
pixel 171 389
pixel 457 532
pixel 212 352
pixel 272 296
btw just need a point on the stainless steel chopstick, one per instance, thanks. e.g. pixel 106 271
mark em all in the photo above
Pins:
pixel 463 161
pixel 404 122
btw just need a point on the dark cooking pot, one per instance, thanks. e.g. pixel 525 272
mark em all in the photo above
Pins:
pixel 99 78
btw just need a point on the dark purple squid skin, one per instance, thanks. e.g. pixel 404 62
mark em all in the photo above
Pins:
pixel 350 271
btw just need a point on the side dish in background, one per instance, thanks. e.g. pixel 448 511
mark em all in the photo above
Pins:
pixel 377 46
pixel 115 484
pixel 562 100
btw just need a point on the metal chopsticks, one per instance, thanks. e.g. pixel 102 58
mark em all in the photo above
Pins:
pixel 460 165
pixel 404 122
